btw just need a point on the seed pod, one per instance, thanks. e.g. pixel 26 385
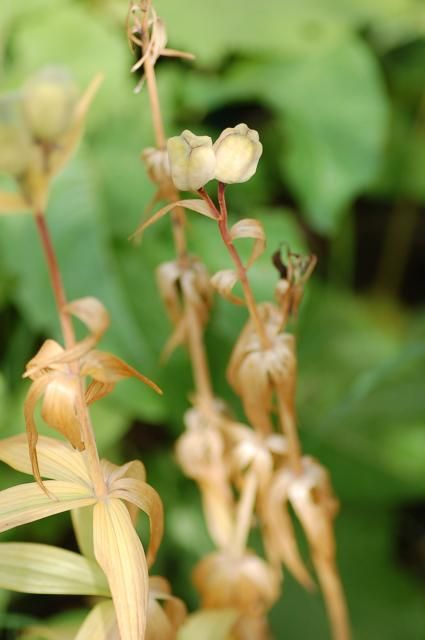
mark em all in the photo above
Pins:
pixel 49 103
pixel 237 153
pixel 192 160
pixel 15 141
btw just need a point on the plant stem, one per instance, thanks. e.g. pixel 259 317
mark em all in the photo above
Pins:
pixel 178 216
pixel 69 340
pixel 195 337
pixel 222 220
pixel 244 512
pixel 287 420
pixel 334 598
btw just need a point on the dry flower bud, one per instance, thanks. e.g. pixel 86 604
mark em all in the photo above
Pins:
pixel 192 160
pixel 157 165
pixel 49 102
pixel 15 141
pixel 237 152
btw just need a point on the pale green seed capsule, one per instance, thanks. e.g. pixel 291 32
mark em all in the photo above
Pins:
pixel 15 140
pixel 192 160
pixel 237 151
pixel 49 103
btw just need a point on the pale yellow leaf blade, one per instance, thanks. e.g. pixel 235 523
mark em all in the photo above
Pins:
pixel 57 460
pixel 12 203
pixel 27 502
pixel 41 568
pixel 119 552
pixel 195 204
pixel 147 499
pixel 250 228
pixel 223 282
pixel 100 624
pixel 209 624
pixel 82 523
pixel 55 631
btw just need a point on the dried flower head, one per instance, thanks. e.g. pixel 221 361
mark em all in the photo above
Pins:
pixel 181 285
pixel 244 582
pixel 255 372
pixel 237 153
pixel 56 375
pixel 192 160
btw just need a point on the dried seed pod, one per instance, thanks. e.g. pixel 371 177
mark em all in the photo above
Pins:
pixel 244 582
pixel 192 160
pixel 15 140
pixel 49 101
pixel 237 153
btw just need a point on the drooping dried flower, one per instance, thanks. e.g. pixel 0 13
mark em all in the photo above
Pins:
pixel 237 152
pixel 56 375
pixel 200 452
pixel 255 372
pixel 244 582
pixel 181 285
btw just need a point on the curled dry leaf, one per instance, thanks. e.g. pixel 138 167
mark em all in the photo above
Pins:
pixel 242 582
pixel 223 282
pixel 250 228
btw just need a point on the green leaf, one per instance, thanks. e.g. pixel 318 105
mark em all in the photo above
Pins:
pixel 40 568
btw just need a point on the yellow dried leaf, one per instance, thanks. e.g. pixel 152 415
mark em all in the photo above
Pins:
pixel 41 568
pixel 27 502
pixel 57 460
pixel 147 500
pixel 119 552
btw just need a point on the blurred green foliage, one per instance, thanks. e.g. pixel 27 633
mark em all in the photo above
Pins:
pixel 336 88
